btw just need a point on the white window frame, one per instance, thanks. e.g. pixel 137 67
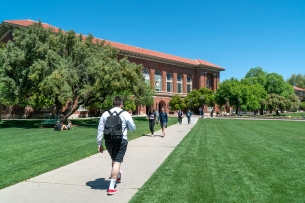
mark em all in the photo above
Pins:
pixel 169 81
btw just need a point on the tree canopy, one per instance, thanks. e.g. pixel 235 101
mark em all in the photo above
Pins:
pixel 42 67
pixel 297 80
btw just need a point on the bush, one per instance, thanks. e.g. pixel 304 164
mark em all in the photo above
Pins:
pixel 302 106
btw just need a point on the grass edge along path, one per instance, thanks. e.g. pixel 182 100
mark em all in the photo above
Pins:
pixel 228 160
pixel 28 151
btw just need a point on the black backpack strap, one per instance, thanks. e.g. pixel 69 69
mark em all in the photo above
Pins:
pixel 110 112
pixel 120 112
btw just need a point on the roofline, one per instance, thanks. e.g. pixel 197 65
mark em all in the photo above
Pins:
pixel 124 52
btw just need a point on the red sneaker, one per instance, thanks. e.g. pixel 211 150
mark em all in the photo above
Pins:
pixel 112 191
pixel 118 180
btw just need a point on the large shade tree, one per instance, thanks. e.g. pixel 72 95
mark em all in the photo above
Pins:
pixel 43 67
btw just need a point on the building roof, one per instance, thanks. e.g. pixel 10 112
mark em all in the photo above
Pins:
pixel 132 50
pixel 298 89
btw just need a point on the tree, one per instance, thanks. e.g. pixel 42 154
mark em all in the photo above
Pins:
pixel 229 91
pixel 252 96
pixel 256 76
pixel 193 99
pixel 177 103
pixel 297 80
pixel 68 70
pixel 275 83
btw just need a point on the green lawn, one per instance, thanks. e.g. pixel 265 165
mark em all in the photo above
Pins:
pixel 27 150
pixel 228 160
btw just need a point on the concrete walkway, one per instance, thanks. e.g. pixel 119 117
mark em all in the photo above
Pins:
pixel 88 179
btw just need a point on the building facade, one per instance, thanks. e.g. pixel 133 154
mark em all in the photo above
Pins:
pixel 168 74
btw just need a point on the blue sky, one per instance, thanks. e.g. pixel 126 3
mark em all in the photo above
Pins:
pixel 235 34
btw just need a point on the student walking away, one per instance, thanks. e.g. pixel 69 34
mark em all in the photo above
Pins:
pixel 180 115
pixel 200 111
pixel 113 127
pixel 212 111
pixel 163 120
pixel 152 119
pixel 188 115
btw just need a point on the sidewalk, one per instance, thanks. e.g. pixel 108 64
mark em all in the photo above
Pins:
pixel 88 179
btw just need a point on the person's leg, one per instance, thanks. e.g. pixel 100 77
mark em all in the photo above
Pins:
pixel 117 152
pixel 153 127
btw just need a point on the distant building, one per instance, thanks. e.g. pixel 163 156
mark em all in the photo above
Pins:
pixel 300 93
pixel 169 75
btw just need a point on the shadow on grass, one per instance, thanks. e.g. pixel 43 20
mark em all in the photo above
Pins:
pixel 27 124
pixel 20 124
pixel 99 184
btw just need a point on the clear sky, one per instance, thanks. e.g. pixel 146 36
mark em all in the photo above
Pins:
pixel 235 34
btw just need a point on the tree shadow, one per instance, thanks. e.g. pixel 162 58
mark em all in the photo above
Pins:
pixel 99 184
pixel 27 124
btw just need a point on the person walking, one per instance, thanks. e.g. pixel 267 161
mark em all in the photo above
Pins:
pixel 188 115
pixel 163 120
pixel 212 111
pixel 200 111
pixel 180 115
pixel 116 148
pixel 152 119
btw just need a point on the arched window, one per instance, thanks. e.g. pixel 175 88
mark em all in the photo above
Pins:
pixel 179 83
pixel 169 82
pixel 158 81
pixel 207 83
pixel 189 84
pixel 145 73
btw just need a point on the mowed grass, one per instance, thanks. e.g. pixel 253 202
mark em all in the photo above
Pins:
pixel 28 150
pixel 227 160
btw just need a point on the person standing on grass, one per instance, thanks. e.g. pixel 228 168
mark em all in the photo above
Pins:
pixel 116 149
pixel 180 115
pixel 188 115
pixel 163 120
pixel 152 119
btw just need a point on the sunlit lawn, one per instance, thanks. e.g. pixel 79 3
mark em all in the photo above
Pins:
pixel 229 160
pixel 28 150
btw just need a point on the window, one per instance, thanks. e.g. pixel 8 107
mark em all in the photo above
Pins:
pixel 82 108
pixel 207 83
pixel 179 83
pixel 169 82
pixel 158 81
pixel 145 73
pixel 3 107
pixel 189 84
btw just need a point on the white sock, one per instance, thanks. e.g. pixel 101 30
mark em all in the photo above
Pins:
pixel 112 183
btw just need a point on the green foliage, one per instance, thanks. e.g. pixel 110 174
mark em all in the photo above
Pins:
pixel 302 106
pixel 231 90
pixel 198 97
pixel 177 103
pixel 277 102
pixel 256 76
pixel 275 83
pixel 43 67
pixel 297 80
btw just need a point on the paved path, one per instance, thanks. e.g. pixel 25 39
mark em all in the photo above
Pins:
pixel 88 179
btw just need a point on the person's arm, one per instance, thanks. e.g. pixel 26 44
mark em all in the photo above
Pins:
pixel 129 122
pixel 166 118
pixel 100 131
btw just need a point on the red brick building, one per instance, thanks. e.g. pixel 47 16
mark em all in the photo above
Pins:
pixel 169 75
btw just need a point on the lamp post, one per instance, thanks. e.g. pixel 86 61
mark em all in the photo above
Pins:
pixel 238 106
pixel 202 104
